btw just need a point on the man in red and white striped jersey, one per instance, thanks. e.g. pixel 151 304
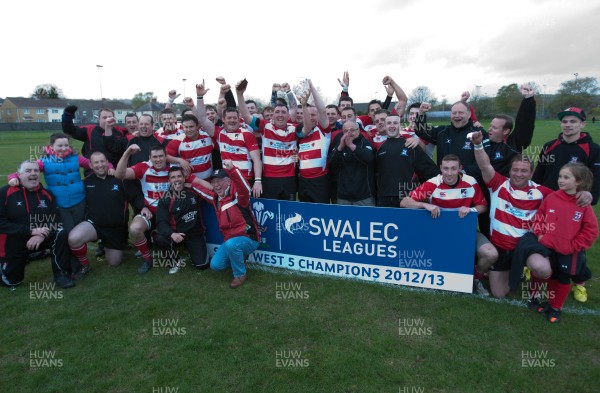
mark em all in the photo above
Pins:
pixel 235 141
pixel 513 204
pixel 456 190
pixel 154 177
pixel 278 148
pixel 194 152
pixel 170 129
pixel 313 146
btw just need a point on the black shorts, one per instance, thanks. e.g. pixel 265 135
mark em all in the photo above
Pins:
pixel 388 201
pixel 573 265
pixel 315 190
pixel 282 188
pixel 504 261
pixel 114 238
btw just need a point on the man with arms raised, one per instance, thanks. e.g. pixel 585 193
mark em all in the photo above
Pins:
pixel 92 135
pixel 229 193
pixel 278 149
pixel 513 203
pixel 313 145
pixel 235 142
pixel 154 177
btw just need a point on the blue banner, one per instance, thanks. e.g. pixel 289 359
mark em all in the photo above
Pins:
pixel 398 246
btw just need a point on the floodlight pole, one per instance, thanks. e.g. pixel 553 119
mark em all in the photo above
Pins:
pixel 100 81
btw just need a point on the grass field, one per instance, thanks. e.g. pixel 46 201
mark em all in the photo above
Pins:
pixel 118 331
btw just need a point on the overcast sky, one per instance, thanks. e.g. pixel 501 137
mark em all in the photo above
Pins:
pixel 449 46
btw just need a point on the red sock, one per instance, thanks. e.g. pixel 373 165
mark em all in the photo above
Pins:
pixel 561 294
pixel 535 285
pixel 477 275
pixel 142 246
pixel 81 254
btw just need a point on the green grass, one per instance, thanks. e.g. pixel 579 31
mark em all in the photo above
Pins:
pixel 346 333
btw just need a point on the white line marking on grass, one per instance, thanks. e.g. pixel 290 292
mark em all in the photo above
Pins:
pixel 512 302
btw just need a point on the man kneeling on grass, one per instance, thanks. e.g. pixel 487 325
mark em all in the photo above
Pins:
pixel 229 193
pixel 29 222
pixel 179 223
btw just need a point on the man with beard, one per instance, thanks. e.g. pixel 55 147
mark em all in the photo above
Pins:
pixel 179 222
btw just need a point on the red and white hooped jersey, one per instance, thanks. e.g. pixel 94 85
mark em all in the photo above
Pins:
pixel 197 152
pixel 312 152
pixel 278 149
pixel 176 134
pixel 465 193
pixel 236 146
pixel 512 210
pixel 154 182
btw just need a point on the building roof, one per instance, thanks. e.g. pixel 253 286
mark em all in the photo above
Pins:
pixel 23 102
pixel 150 107
pixel 97 104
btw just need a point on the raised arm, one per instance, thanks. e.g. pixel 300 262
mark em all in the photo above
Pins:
pixel 520 137
pixel 71 129
pixel 207 125
pixel 122 172
pixel 400 94
pixel 483 161
pixel 172 96
pixel 291 99
pixel 320 105
pixel 240 88
pixel 345 83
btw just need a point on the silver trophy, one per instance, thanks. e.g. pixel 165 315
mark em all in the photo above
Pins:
pixel 301 88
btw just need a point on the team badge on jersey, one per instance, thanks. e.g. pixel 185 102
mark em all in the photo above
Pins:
pixel 42 203
pixel 404 153
pixel 19 203
pixel 448 140
pixel 463 192
pixel 115 187
pixel 467 145
pixel 573 159
pixel 498 156
pixel 530 194
pixel 577 216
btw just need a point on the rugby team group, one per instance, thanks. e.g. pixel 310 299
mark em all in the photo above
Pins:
pixel 537 217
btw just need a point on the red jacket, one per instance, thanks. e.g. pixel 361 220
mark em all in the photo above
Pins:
pixel 233 210
pixel 566 227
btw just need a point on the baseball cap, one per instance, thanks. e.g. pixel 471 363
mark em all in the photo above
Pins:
pixel 572 111
pixel 220 174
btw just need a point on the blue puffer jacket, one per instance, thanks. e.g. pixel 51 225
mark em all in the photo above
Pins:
pixel 64 180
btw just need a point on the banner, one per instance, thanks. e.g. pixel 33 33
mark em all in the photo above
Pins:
pixel 388 245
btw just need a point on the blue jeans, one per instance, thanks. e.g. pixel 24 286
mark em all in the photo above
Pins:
pixel 232 252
